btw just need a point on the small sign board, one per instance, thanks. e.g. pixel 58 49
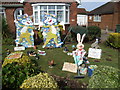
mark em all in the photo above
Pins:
pixel 94 53
pixel 19 48
pixel 69 67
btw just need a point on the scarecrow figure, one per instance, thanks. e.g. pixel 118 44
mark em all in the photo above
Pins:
pixel 50 31
pixel 24 31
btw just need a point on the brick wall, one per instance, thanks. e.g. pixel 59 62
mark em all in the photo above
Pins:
pixel 110 20
pixel 28 9
pixel 10 19
pixel 107 20
pixel 73 14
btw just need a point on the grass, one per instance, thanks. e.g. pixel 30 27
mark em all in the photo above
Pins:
pixel 59 57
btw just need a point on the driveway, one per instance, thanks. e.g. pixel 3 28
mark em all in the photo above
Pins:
pixel 104 35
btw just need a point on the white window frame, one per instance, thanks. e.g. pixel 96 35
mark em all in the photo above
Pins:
pixel 97 18
pixel 54 4
pixel 2 11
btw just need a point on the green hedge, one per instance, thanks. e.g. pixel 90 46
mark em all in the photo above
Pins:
pixel 15 72
pixel 93 32
pixel 78 29
pixel 114 40
pixel 105 77
pixel 42 80
pixel 7 36
pixel 74 30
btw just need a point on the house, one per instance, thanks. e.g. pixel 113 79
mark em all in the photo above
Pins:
pixel 105 16
pixel 65 10
pixel 82 17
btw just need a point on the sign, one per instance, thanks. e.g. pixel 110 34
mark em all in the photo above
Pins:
pixel 69 67
pixel 19 48
pixel 15 55
pixel 94 53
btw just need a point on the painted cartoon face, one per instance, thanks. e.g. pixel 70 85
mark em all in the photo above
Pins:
pixel 25 20
pixel 49 19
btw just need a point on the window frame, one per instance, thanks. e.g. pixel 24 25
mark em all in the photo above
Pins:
pixel 56 10
pixel 2 11
pixel 98 18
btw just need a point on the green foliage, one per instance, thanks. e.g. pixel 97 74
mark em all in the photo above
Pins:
pixel 74 30
pixel 113 40
pixel 78 29
pixel 93 32
pixel 42 80
pixel 105 77
pixel 6 34
pixel 14 74
pixel 23 60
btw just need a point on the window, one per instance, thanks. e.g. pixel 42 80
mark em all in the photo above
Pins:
pixel 97 18
pixel 60 10
pixel 90 17
pixel 18 11
pixel 2 12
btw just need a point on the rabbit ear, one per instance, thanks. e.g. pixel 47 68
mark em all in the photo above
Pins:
pixel 83 36
pixel 78 37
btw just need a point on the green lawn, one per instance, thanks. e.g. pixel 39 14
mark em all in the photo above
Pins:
pixel 59 57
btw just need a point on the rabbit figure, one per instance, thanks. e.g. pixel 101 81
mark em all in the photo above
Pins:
pixel 79 53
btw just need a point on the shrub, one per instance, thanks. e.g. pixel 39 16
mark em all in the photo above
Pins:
pixel 23 60
pixel 113 40
pixel 42 80
pixel 93 32
pixel 6 34
pixel 75 30
pixel 78 29
pixel 104 77
pixel 14 74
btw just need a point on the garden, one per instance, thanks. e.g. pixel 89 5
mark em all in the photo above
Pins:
pixel 29 71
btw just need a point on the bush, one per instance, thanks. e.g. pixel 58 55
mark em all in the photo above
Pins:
pixel 113 40
pixel 93 32
pixel 14 74
pixel 74 31
pixel 78 29
pixel 6 34
pixel 15 71
pixel 104 77
pixel 23 60
pixel 42 80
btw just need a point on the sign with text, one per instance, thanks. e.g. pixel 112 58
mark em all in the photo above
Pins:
pixel 94 53
pixel 19 48
pixel 69 67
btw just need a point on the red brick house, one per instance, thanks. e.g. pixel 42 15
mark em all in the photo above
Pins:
pixel 107 15
pixel 66 10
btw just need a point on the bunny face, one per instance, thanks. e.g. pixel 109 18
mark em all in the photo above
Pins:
pixel 80 46
pixel 80 40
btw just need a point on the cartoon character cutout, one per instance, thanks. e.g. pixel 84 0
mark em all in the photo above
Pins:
pixel 50 31
pixel 79 53
pixel 24 32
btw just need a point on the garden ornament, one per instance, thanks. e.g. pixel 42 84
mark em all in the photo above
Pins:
pixel 8 52
pixel 95 44
pixel 79 53
pixel 50 31
pixel 24 32
pixel 65 50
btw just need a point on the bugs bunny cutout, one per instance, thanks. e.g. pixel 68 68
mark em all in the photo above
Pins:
pixel 79 53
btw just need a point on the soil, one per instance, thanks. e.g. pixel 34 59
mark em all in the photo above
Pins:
pixel 64 83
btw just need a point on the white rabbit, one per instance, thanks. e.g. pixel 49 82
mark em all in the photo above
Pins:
pixel 79 53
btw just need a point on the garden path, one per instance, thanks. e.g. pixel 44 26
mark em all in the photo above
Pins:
pixel 104 35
